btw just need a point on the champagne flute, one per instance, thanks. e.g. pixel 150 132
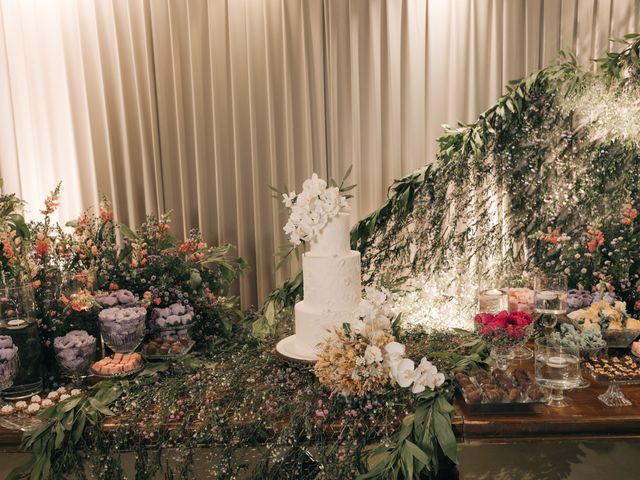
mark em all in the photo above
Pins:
pixel 549 299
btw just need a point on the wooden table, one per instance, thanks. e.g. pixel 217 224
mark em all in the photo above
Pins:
pixel 587 418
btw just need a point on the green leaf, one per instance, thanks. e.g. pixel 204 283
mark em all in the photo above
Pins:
pixel 421 456
pixel 445 436
pixel 100 407
pixel 78 428
pixel 128 233
pixel 68 404
pixel 443 405
pixel 407 462
pixel 60 434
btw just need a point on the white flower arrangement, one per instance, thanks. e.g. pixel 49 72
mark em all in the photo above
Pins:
pixel 311 209
pixel 363 355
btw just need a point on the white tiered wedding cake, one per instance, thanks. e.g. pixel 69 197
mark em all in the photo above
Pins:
pixel 331 270
pixel 331 273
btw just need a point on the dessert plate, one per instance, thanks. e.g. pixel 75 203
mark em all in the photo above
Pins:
pixel 288 348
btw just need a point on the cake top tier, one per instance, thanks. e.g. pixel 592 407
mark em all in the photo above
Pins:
pixel 333 239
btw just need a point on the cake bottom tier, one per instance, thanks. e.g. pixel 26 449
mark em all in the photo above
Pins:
pixel 313 324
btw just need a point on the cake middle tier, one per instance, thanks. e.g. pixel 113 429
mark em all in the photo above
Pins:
pixel 332 282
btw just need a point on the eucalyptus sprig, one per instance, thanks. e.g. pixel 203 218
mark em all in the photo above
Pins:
pixel 56 444
pixel 414 449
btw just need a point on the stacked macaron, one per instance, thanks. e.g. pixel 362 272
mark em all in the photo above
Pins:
pixel 8 359
pixel 118 298
pixel 122 326
pixel 75 350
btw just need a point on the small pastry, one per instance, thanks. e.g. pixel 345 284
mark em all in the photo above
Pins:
pixel 64 396
pixel 33 408
pixel 75 392
pixel 62 390
pixel 53 396
pixel 46 403
pixel 493 395
pixel 513 394
pixel 7 410
pixel 21 405
pixel 36 399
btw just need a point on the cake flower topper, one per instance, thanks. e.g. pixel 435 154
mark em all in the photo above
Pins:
pixel 311 209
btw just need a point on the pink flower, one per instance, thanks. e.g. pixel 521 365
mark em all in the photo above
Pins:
pixel 521 318
pixel 483 318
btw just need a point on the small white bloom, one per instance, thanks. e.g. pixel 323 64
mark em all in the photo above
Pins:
pixel 394 351
pixel 372 354
pixel 358 327
pixel 289 199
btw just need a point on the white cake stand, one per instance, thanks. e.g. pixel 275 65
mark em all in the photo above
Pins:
pixel 290 350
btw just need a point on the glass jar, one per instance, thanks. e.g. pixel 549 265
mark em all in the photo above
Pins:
pixel 17 321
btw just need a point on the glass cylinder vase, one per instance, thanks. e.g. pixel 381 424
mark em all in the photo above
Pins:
pixel 17 321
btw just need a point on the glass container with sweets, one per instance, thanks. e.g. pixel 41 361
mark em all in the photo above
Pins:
pixel 17 321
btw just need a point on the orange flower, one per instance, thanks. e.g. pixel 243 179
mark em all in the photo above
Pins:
pixel 147 295
pixel 7 249
pixel 551 236
pixel 105 211
pixel 36 284
pixel 64 300
pixel 77 305
pixel 43 247
pixel 114 286
pixel 185 247
pixel 134 263
pixel 157 301
pixel 51 202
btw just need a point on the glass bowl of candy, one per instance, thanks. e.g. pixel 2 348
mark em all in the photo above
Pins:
pixel 8 361
pixel 172 322
pixel 123 328
pixel 588 343
pixel 74 353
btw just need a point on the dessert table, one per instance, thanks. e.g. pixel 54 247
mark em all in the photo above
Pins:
pixel 587 419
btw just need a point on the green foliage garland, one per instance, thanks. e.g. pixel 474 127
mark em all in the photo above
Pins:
pixel 261 418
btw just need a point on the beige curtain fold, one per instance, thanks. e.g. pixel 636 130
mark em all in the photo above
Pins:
pixel 195 106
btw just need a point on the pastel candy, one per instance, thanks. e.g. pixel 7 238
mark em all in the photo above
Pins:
pixel 6 341
pixel 173 320
pixel 177 309
pixel 126 297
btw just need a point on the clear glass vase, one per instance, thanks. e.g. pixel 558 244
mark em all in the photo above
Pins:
pixel 17 321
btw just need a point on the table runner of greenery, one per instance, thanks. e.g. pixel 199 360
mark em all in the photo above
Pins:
pixel 241 395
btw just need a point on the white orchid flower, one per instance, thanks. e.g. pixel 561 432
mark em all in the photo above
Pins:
pixel 404 373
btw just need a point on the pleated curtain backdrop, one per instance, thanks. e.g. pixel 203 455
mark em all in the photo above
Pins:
pixel 197 106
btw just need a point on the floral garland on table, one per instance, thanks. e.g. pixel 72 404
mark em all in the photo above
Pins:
pixel 241 399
